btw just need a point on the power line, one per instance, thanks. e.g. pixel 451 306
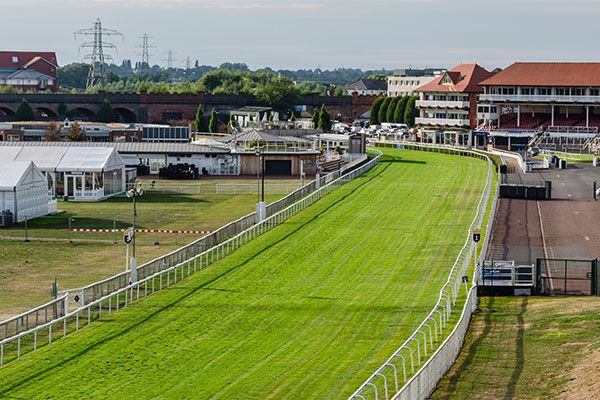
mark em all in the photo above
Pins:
pixel 145 46
pixel 97 73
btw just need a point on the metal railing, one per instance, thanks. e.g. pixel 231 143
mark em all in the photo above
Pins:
pixel 103 292
pixel 425 378
pixel 252 188
pixel 35 317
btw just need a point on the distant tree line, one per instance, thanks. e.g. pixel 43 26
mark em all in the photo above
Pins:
pixel 399 109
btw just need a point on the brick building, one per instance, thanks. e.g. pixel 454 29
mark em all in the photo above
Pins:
pixel 29 71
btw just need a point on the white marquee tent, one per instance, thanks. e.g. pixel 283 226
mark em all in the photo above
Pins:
pixel 23 190
pixel 81 173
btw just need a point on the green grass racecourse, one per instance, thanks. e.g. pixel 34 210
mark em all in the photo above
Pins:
pixel 308 310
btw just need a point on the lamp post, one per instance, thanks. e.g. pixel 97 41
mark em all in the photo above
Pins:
pixel 134 192
pixel 257 175
pixel 318 149
pixel 261 210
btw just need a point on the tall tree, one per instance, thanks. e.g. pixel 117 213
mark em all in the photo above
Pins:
pixel 411 111
pixel 213 126
pixel 61 110
pixel 374 120
pixel 52 132
pixel 200 122
pixel 315 118
pixel 324 119
pixel 76 133
pixel 389 114
pixel 24 112
pixel 400 108
pixel 383 109
pixel 281 95
pixel 105 113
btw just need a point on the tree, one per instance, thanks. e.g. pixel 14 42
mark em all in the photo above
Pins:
pixel 281 95
pixel 315 117
pixel 374 120
pixel 106 113
pixel 76 133
pixel 52 133
pixel 383 109
pixel 61 109
pixel 292 117
pixel 213 126
pixel 200 121
pixel 24 112
pixel 411 111
pixel 324 120
pixel 389 114
pixel 400 108
pixel 339 91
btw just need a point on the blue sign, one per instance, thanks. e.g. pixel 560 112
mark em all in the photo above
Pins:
pixel 476 237
pixel 465 279
pixel 76 299
pixel 127 239
pixel 477 133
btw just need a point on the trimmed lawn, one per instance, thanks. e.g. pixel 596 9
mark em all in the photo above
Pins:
pixel 308 310
pixel 528 348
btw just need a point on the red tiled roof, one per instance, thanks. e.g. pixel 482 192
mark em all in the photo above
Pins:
pixel 36 59
pixel 24 58
pixel 547 74
pixel 466 78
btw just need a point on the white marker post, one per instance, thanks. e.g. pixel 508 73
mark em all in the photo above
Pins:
pixel 476 239
pixel 127 240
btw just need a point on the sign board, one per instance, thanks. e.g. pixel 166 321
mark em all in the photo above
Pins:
pixel 476 235
pixel 465 279
pixel 127 238
pixel 76 298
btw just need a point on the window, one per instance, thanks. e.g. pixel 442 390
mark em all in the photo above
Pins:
pixel 544 91
pixel 15 60
pixel 577 91
pixel 527 91
pixel 562 92
pixel 595 92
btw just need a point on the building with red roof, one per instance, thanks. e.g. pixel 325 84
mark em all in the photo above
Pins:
pixel 529 102
pixel 448 105
pixel 29 71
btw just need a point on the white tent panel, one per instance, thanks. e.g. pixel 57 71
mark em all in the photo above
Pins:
pixel 89 159
pixel 9 153
pixel 23 190
pixel 46 158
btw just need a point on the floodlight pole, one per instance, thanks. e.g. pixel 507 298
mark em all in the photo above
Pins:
pixel 263 179
pixel 257 176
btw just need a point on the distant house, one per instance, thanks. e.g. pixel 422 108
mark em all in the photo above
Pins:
pixel 29 71
pixel 368 87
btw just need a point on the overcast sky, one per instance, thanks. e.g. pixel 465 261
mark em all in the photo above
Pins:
pixel 294 34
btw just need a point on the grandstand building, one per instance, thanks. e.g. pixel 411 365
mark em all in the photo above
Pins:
pixel 448 105
pixel 542 104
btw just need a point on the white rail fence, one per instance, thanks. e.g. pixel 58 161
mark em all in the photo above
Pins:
pixel 32 318
pixel 406 360
pixel 217 188
pixel 252 188
pixel 109 296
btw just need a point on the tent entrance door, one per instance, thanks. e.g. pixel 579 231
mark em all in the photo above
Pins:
pixel 74 186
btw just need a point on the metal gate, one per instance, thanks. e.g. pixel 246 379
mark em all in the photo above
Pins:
pixel 562 276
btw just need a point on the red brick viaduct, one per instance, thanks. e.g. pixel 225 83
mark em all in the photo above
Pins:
pixel 150 108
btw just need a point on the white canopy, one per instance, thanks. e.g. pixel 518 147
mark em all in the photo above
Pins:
pixel 65 159
pixel 209 142
pixel 17 174
pixel 90 159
